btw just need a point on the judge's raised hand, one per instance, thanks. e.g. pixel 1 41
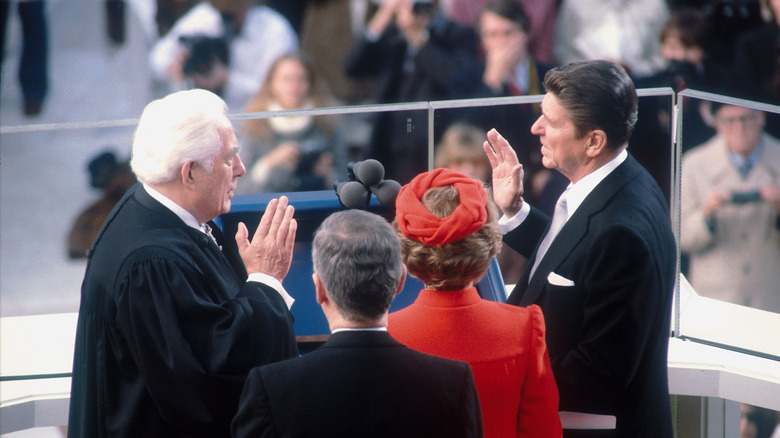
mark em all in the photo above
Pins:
pixel 507 173
pixel 271 249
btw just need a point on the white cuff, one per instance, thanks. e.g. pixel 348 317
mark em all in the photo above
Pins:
pixel 274 283
pixel 507 224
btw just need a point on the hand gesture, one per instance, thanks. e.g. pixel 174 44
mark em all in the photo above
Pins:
pixel 507 173
pixel 384 16
pixel 771 194
pixel 713 202
pixel 500 62
pixel 287 155
pixel 271 249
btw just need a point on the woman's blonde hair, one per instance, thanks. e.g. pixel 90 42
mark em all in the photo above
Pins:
pixel 319 96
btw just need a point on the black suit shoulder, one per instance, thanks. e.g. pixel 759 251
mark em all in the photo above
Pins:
pixel 361 384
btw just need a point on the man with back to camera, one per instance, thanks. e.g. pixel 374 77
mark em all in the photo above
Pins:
pixel 730 210
pixel 606 281
pixel 169 324
pixel 361 382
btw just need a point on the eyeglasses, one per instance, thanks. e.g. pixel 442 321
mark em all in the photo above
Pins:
pixel 506 33
pixel 749 119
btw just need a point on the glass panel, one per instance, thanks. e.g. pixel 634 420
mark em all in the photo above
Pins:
pixel 729 226
pixel 313 159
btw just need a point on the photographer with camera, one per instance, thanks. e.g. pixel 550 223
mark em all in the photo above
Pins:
pixel 412 50
pixel 730 200
pixel 255 36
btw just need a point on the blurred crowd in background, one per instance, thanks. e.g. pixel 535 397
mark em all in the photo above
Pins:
pixel 273 55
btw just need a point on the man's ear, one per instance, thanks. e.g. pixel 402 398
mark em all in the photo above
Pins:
pixel 403 280
pixel 187 172
pixel 319 289
pixel 596 143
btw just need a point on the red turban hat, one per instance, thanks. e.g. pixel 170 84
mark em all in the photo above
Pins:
pixel 416 222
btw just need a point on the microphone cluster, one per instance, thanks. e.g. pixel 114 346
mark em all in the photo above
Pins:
pixel 366 177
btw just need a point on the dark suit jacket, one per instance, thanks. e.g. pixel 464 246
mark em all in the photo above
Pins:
pixel 168 329
pixel 513 121
pixel 360 384
pixel 399 138
pixel 608 332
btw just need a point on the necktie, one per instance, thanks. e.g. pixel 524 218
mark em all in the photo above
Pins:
pixel 559 218
pixel 207 229
pixel 744 169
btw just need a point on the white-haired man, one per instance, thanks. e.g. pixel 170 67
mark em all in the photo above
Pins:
pixel 169 324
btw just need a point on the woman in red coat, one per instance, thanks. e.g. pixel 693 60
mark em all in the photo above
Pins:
pixel 449 233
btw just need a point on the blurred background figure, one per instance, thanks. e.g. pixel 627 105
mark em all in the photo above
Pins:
pixel 756 422
pixel 328 29
pixel 621 31
pixel 255 34
pixel 411 50
pixel 169 11
pixel 291 153
pixel 506 68
pixel 112 178
pixel 731 18
pixel 730 211
pixel 33 73
pixel 757 63
pixel 685 46
pixel 460 149
pixel 541 15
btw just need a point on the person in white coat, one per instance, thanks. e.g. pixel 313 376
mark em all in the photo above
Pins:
pixel 256 36
pixel 730 201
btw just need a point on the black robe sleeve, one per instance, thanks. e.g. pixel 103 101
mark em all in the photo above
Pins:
pixel 192 345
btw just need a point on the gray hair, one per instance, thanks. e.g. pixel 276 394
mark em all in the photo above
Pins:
pixel 357 255
pixel 179 127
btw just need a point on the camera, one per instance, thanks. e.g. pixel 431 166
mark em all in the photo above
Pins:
pixel 745 197
pixel 202 52
pixel 422 6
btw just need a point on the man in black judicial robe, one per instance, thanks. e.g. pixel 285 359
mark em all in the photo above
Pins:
pixel 169 325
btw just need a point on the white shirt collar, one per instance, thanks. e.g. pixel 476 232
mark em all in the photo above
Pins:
pixel 190 221
pixel 521 75
pixel 579 191
pixel 183 214
pixel 355 329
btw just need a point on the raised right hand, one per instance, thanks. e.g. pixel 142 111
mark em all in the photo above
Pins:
pixel 271 249
pixel 507 173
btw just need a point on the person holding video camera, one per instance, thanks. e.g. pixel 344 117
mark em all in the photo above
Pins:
pixel 730 201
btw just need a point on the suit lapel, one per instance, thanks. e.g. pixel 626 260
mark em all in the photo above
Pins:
pixel 575 230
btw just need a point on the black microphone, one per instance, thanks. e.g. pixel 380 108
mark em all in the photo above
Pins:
pixel 386 191
pixel 353 194
pixel 370 172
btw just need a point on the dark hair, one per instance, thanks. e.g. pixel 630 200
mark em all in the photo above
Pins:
pixel 357 255
pixel 596 95
pixel 103 167
pixel 509 9
pixel 691 26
